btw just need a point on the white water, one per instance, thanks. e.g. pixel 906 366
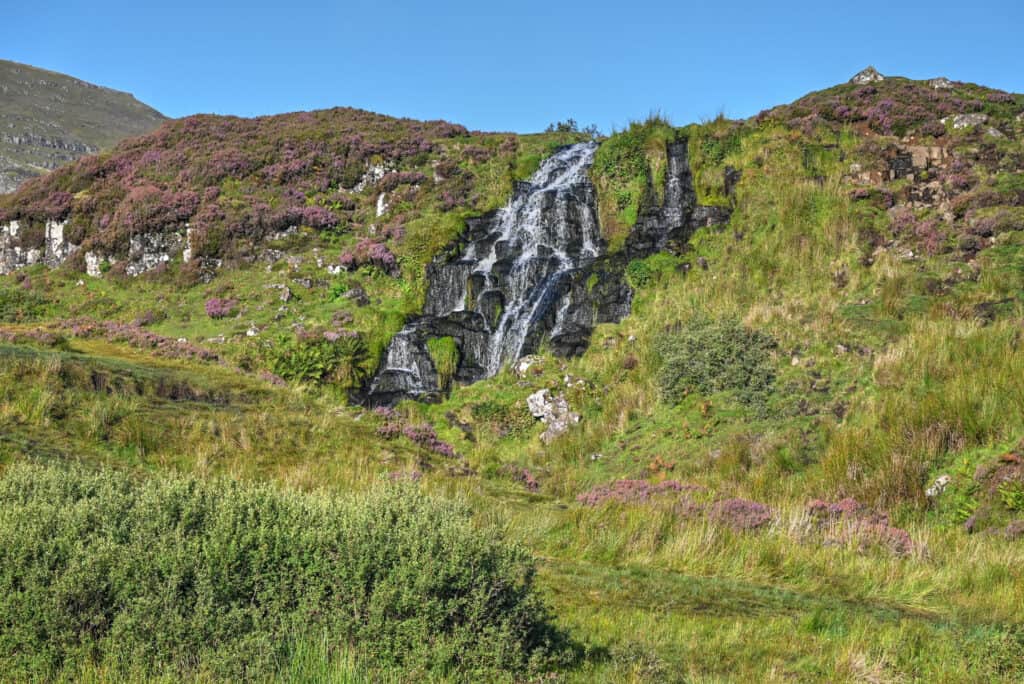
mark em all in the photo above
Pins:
pixel 546 248
pixel 536 241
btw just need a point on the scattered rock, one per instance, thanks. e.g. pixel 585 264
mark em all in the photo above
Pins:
pixel 941 83
pixel 938 486
pixel 869 75
pixel 553 411
pixel 961 121
pixel 702 262
pixel 524 364
pixel 572 381
pixel 358 295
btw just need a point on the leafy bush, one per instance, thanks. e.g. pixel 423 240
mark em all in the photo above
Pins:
pixel 332 358
pixel 642 272
pixel 710 356
pixel 638 273
pixel 182 576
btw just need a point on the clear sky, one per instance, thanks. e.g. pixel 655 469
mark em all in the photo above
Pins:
pixel 514 65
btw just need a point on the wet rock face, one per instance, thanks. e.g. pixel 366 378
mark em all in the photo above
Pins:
pixel 535 270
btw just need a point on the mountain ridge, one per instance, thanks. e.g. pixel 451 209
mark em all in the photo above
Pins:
pixel 48 119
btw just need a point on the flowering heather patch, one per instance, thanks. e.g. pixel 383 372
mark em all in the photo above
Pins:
pixel 895 106
pixel 54 206
pixel 239 178
pixel 522 475
pixel 424 436
pixel 904 221
pixel 392 180
pixel 854 522
pixel 368 252
pixel 740 514
pixel 220 308
pixel 385 412
pixel 47 338
pixel 389 431
pixel 134 336
pixel 629 491
pixel 405 476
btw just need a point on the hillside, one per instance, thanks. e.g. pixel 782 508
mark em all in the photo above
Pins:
pixel 49 119
pixel 768 427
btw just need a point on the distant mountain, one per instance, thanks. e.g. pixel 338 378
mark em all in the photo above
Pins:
pixel 48 119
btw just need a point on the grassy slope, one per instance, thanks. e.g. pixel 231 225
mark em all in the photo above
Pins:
pixel 884 382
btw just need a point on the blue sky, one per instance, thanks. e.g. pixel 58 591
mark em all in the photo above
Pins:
pixel 514 66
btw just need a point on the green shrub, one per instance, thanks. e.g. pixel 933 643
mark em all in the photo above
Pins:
pixel 342 360
pixel 176 575
pixel 638 273
pixel 709 356
pixel 642 272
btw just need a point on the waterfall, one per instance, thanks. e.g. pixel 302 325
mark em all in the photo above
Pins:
pixel 536 269
pixel 510 283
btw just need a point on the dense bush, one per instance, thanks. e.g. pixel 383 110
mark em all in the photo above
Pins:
pixel 707 356
pixel 185 576
pixel 331 358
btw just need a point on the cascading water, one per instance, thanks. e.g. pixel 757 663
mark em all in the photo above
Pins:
pixel 535 270
pixel 509 278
